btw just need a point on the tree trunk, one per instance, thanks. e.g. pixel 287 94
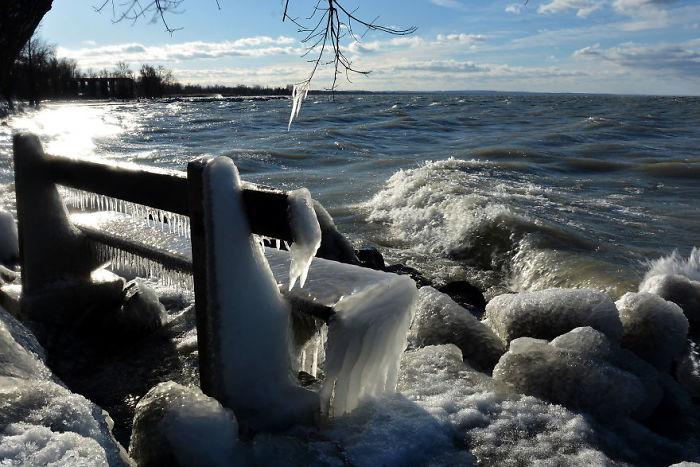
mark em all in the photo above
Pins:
pixel 18 20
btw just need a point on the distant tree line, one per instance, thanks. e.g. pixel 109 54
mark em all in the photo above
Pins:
pixel 39 74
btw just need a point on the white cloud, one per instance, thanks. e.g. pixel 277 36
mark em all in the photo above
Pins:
pixel 514 8
pixel 454 4
pixel 468 39
pixel 583 7
pixel 679 59
pixel 258 46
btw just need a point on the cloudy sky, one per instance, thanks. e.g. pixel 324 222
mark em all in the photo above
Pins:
pixel 605 46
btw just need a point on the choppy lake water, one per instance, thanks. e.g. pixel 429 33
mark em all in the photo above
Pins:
pixel 509 191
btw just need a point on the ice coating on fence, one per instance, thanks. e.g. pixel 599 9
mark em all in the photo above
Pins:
pixel 365 341
pixel 306 232
pixel 248 320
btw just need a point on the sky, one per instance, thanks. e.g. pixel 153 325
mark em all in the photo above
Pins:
pixel 593 46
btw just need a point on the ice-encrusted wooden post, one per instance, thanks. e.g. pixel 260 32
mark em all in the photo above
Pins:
pixel 242 319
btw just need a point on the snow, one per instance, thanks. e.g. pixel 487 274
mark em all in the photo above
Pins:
pixel 9 243
pixel 182 424
pixel 42 422
pixel 306 232
pixel 654 328
pixel 549 313
pixel 498 426
pixel 248 331
pixel 439 320
pixel 366 338
pixel 22 444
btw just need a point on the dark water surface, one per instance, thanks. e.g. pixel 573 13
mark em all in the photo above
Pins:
pixel 512 191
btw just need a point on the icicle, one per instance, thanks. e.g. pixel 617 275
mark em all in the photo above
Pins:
pixel 299 93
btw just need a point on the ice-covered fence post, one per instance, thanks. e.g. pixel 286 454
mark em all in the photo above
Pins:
pixel 56 258
pixel 242 319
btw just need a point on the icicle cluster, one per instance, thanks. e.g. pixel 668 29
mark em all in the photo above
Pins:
pixel 165 221
pixel 312 354
pixel 299 93
pixel 307 235
pixel 122 262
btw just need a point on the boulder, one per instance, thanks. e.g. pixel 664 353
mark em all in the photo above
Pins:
pixel 371 257
pixel 654 329
pixel 9 243
pixel 549 313
pixel 466 294
pixel 680 290
pixel 180 426
pixel 439 320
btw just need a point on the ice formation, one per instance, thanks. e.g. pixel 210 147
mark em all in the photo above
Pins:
pixel 366 338
pixel 549 313
pixel 179 425
pixel 439 320
pixel 42 422
pixel 9 244
pixel 306 232
pixel 534 367
pixel 299 93
pixel 654 329
pixel 688 370
pixel 248 320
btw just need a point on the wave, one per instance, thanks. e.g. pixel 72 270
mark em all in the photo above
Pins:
pixel 456 210
pixel 675 264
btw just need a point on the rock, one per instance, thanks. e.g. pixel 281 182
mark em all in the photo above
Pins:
pixel 534 367
pixel 594 345
pixel 334 245
pixel 141 312
pixel 549 313
pixel 654 329
pixel 180 426
pixel 418 278
pixel 370 257
pixel 465 294
pixel 439 320
pixel 9 243
pixel 7 275
pixel 680 290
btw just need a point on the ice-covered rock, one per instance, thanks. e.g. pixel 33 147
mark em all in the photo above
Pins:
pixel 439 320
pixel 141 311
pixel 534 367
pixel 549 313
pixel 307 235
pixel 179 426
pixel 595 345
pixel 680 290
pixel 334 245
pixel 40 420
pixel 366 338
pixel 498 426
pixel 9 244
pixel 654 328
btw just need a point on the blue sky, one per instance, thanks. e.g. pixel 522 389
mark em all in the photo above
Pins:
pixel 616 46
